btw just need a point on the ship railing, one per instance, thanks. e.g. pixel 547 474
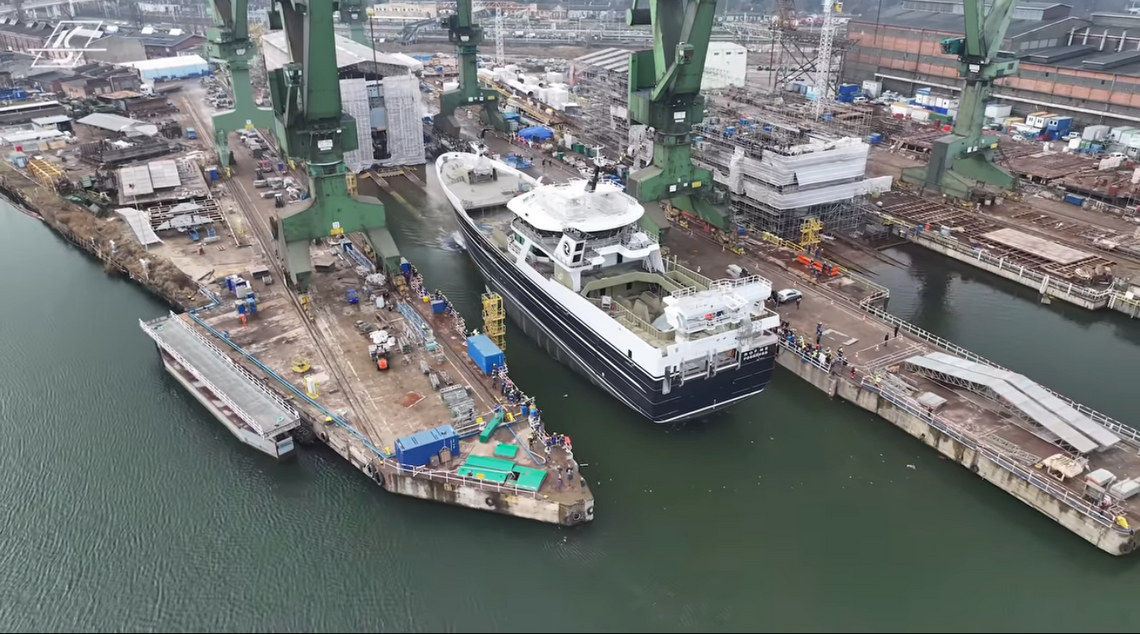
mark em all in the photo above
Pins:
pixel 1008 463
pixel 447 477
pixel 635 324
pixel 685 275
pixel 198 376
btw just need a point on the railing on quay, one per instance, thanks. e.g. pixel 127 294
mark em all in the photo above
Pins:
pixel 329 415
pixel 1032 477
pixel 1044 282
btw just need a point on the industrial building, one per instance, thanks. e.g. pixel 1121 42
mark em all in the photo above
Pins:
pixel 378 88
pixel 1084 67
pixel 171 68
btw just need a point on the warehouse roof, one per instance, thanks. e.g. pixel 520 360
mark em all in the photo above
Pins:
pixel 611 59
pixel 161 63
pixel 348 53
pixel 115 123
pixel 935 21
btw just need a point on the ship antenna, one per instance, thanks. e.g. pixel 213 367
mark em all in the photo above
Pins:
pixel 592 185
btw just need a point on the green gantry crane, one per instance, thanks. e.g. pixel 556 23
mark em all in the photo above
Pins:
pixel 354 15
pixel 467 36
pixel 665 94
pixel 228 44
pixel 965 157
pixel 311 127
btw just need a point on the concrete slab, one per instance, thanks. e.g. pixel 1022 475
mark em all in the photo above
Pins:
pixel 1040 247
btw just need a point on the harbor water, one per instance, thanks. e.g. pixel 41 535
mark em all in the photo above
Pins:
pixel 126 507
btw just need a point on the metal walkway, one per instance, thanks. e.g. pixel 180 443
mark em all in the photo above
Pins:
pixel 266 413
pixel 1021 394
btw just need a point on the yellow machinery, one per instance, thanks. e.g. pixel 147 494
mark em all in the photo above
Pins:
pixel 809 233
pixel 495 319
pixel 300 364
pixel 350 182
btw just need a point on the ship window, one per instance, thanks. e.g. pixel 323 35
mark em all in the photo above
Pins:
pixel 630 354
pixel 619 258
pixel 629 286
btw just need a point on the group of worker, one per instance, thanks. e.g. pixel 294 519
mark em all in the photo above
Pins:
pixel 836 362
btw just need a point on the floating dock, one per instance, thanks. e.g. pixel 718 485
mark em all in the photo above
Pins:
pixel 1053 269
pixel 1070 462
pixel 431 421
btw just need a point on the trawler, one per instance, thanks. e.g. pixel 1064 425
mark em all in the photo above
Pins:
pixel 579 275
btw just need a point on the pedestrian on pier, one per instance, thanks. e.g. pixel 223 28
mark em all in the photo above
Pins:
pixel 886 339
pixel 896 331
pixel 798 300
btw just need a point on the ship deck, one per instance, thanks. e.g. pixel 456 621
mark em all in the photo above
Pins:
pixel 873 350
pixel 486 195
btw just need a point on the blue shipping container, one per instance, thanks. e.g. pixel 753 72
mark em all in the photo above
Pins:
pixel 484 353
pixel 1073 199
pixel 438 306
pixel 416 450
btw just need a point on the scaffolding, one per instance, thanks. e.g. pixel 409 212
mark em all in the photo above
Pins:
pixel 495 320
pixel 45 172
pixel 796 58
pixel 786 180
pixel 601 78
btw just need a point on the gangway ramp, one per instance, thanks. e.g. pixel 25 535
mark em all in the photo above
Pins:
pixel 264 412
pixel 1083 424
pixel 979 379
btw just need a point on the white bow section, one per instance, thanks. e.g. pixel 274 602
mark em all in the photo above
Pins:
pixel 690 311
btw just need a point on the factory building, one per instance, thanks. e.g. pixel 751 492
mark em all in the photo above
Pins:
pixel 1087 67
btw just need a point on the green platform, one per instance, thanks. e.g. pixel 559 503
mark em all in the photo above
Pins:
pixel 503 450
pixel 495 470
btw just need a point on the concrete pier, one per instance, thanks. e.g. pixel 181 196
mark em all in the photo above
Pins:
pixel 1013 444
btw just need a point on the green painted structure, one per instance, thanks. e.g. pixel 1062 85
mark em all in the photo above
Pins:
pixel 228 44
pixel 353 14
pixel 665 94
pixel 499 471
pixel 312 129
pixel 467 36
pixel 964 158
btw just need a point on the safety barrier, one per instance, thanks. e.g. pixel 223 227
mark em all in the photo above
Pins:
pixel 337 420
pixel 1032 477
pixel 455 479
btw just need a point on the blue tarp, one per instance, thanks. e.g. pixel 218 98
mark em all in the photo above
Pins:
pixel 536 133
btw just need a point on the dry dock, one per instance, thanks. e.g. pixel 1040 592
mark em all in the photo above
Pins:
pixel 1055 270
pixel 1071 463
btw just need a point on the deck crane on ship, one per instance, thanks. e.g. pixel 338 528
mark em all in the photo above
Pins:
pixel 965 157
pixel 312 128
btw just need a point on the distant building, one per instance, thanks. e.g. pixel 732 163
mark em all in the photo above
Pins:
pixel 96 79
pixel 1084 67
pixel 23 37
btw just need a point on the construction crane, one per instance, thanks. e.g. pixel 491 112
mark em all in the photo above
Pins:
pixel 228 44
pixel 467 36
pixel 965 157
pixel 311 128
pixel 665 95
pixel 354 15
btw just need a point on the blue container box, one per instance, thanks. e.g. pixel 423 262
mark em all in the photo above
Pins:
pixel 438 306
pixel 484 353
pixel 416 450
